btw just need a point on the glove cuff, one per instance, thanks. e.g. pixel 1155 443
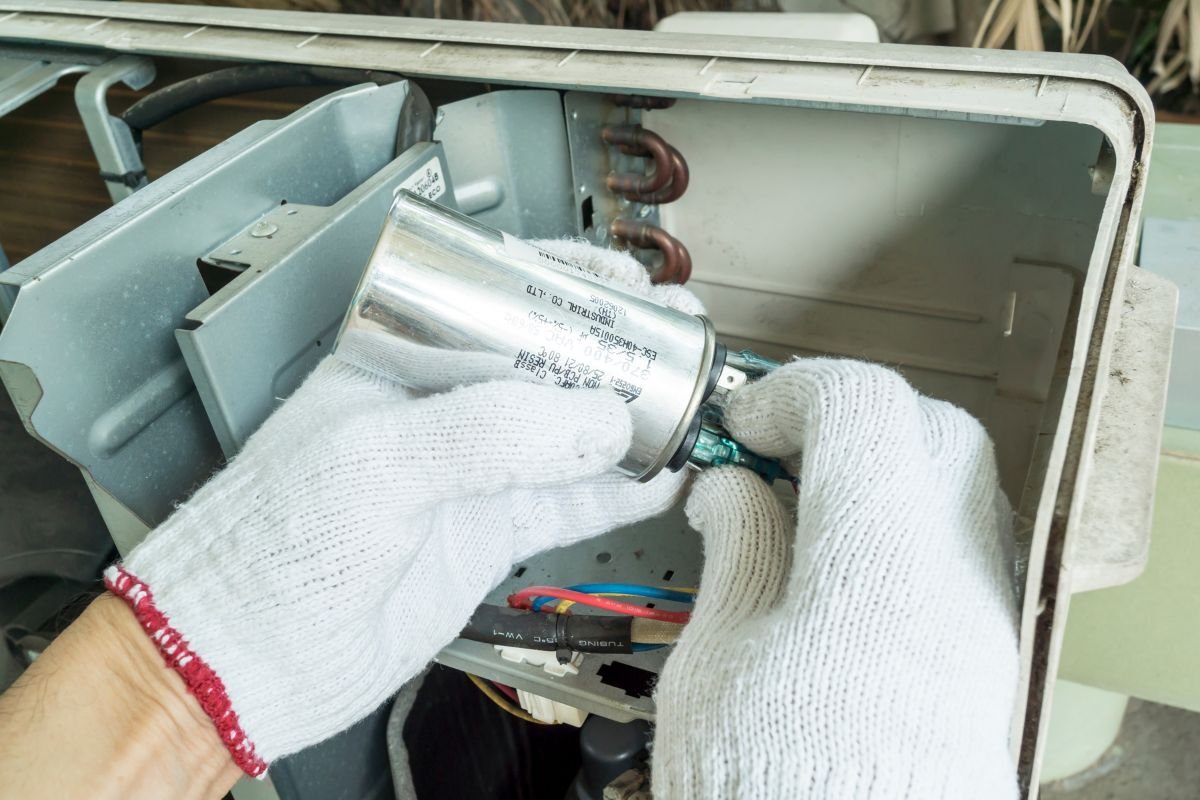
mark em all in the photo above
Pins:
pixel 202 682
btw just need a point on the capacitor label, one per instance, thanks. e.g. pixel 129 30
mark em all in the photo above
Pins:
pixel 589 355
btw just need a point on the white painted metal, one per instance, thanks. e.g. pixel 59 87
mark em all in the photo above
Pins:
pixel 832 27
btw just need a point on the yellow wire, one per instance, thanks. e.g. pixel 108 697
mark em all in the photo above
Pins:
pixel 501 701
pixel 563 605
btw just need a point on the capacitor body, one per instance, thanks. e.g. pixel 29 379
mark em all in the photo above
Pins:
pixel 457 302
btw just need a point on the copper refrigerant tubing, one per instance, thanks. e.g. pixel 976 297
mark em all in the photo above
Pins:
pixel 677 262
pixel 635 140
pixel 665 184
pixel 680 177
pixel 670 178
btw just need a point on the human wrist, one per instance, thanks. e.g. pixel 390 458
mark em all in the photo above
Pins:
pixel 167 730
pixel 121 722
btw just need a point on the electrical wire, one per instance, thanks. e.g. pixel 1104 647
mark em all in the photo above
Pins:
pixel 167 102
pixel 562 606
pixel 623 590
pixel 499 700
pixel 526 597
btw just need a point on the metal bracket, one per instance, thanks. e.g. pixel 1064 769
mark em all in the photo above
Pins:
pixel 267 240
pixel 592 162
pixel 255 339
pixel 625 220
pixel 21 79
pixel 116 152
pixel 106 385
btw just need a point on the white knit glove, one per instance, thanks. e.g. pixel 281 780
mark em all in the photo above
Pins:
pixel 359 528
pixel 869 648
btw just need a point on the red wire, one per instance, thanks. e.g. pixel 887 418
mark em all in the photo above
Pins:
pixel 508 692
pixel 525 598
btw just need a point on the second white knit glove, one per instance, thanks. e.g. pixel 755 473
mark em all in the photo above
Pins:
pixel 360 527
pixel 867 648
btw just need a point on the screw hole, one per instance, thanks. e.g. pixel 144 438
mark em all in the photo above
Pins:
pixel 519 572
pixel 604 558
pixel 668 574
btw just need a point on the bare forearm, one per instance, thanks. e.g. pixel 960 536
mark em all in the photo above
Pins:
pixel 100 715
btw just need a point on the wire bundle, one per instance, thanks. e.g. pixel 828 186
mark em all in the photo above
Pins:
pixel 647 628
pixel 597 595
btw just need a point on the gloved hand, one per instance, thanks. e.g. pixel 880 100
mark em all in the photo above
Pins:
pixel 356 532
pixel 867 648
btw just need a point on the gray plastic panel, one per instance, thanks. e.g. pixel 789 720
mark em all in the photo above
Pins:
pixel 252 342
pixel 511 165
pixel 89 353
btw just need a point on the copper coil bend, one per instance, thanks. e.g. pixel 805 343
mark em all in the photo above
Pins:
pixel 677 262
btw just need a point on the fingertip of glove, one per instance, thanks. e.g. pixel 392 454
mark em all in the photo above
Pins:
pixel 771 415
pixel 762 414
pixel 720 491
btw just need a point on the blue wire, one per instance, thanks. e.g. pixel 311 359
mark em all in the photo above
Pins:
pixel 634 589
pixel 639 647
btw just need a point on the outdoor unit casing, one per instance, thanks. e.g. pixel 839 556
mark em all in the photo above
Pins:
pixel 968 217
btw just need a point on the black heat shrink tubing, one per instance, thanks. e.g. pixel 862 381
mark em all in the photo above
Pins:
pixel 582 633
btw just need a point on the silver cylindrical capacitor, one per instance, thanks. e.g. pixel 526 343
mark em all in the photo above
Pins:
pixel 458 302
